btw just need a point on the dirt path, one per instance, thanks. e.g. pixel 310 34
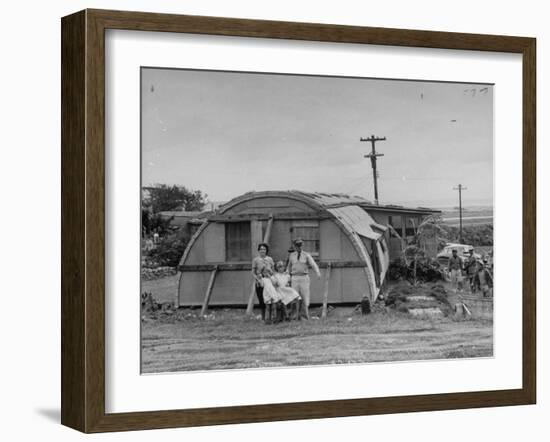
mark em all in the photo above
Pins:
pixel 227 339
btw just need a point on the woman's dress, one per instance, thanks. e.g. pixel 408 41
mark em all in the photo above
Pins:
pixel 271 295
pixel 286 294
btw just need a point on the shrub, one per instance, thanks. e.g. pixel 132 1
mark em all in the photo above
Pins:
pixel 169 251
pixel 427 270
pixel 478 235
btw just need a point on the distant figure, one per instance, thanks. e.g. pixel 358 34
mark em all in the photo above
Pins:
pixel 471 268
pixel 490 261
pixel 484 279
pixel 259 263
pixel 299 263
pixel 156 237
pixel 149 245
pixel 455 269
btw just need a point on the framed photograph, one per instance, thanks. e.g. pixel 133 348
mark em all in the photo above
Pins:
pixel 267 221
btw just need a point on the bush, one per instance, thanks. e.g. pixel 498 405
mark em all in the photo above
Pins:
pixel 480 235
pixel 396 297
pixel 154 223
pixel 427 270
pixel 168 251
pixel 397 270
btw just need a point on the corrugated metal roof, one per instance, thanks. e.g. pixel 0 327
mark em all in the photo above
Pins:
pixel 188 214
pixel 399 209
pixel 358 221
pixel 359 225
pixel 327 200
pixel 330 199
pixel 336 199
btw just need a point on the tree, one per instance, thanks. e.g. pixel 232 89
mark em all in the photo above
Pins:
pixel 151 222
pixel 161 198
pixel 414 256
pixel 165 198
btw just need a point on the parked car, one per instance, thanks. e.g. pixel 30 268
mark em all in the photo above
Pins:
pixel 462 249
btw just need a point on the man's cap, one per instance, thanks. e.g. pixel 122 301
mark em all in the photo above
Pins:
pixel 298 241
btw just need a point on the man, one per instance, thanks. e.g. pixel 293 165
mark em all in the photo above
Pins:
pixel 455 269
pixel 299 264
pixel 484 279
pixel 471 268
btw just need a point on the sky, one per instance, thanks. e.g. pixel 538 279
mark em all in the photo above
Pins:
pixel 227 133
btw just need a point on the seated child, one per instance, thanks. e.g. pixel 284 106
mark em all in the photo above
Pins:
pixel 287 295
pixel 270 294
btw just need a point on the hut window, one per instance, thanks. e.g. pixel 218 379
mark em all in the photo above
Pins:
pixel 410 226
pixel 237 241
pixel 395 221
pixel 309 232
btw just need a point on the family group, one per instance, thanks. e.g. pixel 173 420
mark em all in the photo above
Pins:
pixel 283 289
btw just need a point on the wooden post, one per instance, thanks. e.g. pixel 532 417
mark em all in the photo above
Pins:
pixel 267 234
pixel 255 236
pixel 177 291
pixel 209 291
pixel 325 294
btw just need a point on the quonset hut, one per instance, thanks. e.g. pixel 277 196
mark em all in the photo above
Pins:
pixel 350 247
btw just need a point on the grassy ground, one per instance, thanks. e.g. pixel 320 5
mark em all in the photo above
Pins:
pixel 227 339
pixel 163 289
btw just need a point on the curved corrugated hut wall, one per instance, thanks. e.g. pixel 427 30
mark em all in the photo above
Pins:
pixel 231 287
pixel 221 242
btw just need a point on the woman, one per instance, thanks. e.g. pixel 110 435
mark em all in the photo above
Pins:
pixel 259 264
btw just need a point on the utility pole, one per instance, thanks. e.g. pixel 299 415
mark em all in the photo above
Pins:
pixel 373 155
pixel 460 188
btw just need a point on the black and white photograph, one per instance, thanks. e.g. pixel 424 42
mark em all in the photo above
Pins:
pixel 305 220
